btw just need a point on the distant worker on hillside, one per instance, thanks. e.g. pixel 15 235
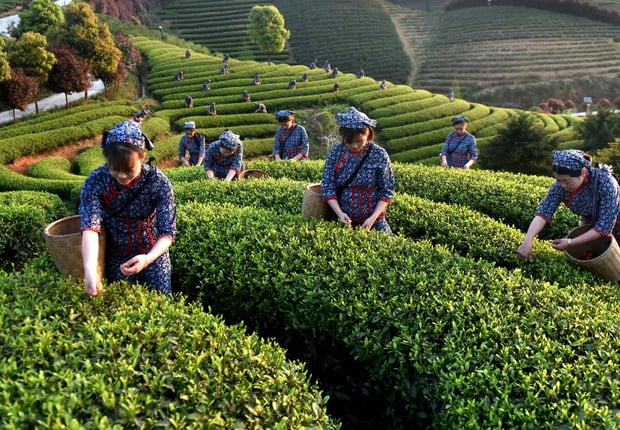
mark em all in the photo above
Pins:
pixel 141 115
pixel 292 84
pixel 225 59
pixel 451 95
pixel 256 81
pixel 206 85
pixel 336 87
pixel 361 73
pixel 178 76
pixel 291 140
pixel 245 97
pixel 313 64
pixel 304 77
pixel 192 144
pixel 224 157
pixel 335 72
pixel 383 85
pixel 260 108
pixel 212 109
pixel 459 149
pixel 189 101
pixel 590 192
pixel 188 54
pixel 224 69
pixel 327 67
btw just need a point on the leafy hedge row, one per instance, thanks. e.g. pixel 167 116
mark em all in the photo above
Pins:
pixel 15 147
pixel 23 216
pixel 463 230
pixel 134 358
pixel 437 335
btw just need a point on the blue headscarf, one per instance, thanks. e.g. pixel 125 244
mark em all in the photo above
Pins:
pixel 571 159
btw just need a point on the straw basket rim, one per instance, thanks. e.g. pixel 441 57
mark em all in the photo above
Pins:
pixel 600 264
pixel 254 174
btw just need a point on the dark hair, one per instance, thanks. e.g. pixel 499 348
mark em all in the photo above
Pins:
pixel 119 154
pixel 348 134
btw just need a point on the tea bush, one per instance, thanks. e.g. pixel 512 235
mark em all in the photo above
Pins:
pixel 436 333
pixel 23 216
pixel 133 358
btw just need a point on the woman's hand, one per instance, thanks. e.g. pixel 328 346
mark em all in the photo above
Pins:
pixel 92 286
pixel 344 218
pixel 561 244
pixel 134 265
pixel 525 252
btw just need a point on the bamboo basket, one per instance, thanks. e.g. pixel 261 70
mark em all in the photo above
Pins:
pixel 313 205
pixel 64 242
pixel 253 174
pixel 601 256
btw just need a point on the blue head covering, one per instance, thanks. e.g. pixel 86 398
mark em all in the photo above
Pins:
pixel 189 125
pixel 354 119
pixel 229 140
pixel 459 119
pixel 128 132
pixel 571 159
pixel 284 113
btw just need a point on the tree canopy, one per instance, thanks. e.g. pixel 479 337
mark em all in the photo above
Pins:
pixel 70 74
pixel 91 39
pixel 5 69
pixel 266 29
pixel 30 55
pixel 40 16
pixel 521 147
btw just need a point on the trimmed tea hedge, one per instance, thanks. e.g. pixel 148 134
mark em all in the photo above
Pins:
pixel 133 358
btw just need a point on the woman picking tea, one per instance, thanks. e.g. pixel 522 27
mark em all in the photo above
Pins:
pixel 591 192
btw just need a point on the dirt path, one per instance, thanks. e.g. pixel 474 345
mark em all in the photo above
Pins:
pixel 404 40
pixel 69 152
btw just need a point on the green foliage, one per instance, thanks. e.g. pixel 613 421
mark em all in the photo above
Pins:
pixel 416 317
pixel 523 146
pixel 91 39
pixel 29 55
pixel 135 358
pixel 598 131
pixel 40 16
pixel 266 29
pixel 5 68
pixel 610 155
pixel 23 216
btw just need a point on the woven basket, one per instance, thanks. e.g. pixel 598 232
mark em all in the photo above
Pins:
pixel 64 242
pixel 313 205
pixel 253 174
pixel 601 256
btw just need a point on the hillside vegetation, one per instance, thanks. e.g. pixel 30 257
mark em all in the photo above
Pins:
pixel 438 326
pixel 497 55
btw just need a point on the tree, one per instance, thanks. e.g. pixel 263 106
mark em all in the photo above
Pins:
pixel 40 16
pixel 70 74
pixel 5 69
pixel 266 29
pixel 29 55
pixel 597 131
pixel 610 155
pixel 521 147
pixel 91 39
pixel 19 91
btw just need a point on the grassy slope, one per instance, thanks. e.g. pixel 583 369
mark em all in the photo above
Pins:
pixel 497 55
pixel 512 54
